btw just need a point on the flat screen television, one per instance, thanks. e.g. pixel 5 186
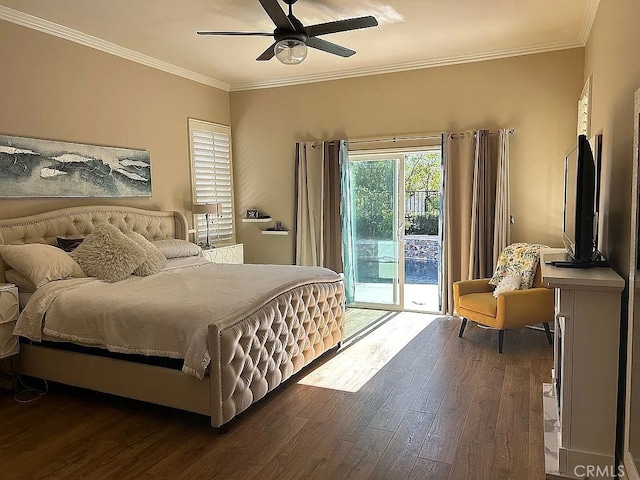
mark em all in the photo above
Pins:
pixel 580 200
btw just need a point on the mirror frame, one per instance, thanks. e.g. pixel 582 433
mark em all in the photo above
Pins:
pixel 629 463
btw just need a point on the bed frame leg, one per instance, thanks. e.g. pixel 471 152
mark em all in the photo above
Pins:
pixel 222 429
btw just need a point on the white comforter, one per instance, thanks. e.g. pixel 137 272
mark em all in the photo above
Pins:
pixel 167 314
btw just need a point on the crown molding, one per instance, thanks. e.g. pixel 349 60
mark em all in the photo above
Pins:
pixel 45 26
pixel 403 67
pixel 587 20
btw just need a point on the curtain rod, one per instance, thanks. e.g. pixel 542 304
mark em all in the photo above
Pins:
pixel 395 139
pixel 433 136
pixel 510 131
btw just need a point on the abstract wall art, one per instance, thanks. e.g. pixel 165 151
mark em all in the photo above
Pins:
pixel 31 167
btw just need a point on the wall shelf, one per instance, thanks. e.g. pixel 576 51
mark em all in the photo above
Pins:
pixel 275 232
pixel 257 220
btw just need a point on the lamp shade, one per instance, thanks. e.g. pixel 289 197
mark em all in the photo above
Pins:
pixel 291 52
pixel 207 208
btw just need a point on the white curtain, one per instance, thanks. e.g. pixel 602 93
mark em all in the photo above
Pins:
pixel 309 211
pixel 502 228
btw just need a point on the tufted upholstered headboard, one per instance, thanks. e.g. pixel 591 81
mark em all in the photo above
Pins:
pixel 80 221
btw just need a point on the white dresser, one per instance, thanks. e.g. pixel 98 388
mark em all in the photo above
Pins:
pixel 225 254
pixel 9 309
pixel 580 405
pixel 8 317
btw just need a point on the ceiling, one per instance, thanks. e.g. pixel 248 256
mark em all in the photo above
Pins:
pixel 411 34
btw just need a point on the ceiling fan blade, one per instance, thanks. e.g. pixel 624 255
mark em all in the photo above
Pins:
pixel 341 26
pixel 253 34
pixel 277 14
pixel 329 47
pixel 268 54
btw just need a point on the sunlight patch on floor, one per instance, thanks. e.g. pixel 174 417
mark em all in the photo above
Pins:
pixel 358 319
pixel 359 361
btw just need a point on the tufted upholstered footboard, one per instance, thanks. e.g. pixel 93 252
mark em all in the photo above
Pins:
pixel 251 354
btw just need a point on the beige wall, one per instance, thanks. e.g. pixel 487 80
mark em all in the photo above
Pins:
pixel 60 90
pixel 55 89
pixel 612 59
pixel 536 94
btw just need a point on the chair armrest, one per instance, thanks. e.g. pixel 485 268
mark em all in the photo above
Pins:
pixel 525 307
pixel 465 287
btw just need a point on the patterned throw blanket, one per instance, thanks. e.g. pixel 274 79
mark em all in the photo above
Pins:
pixel 518 258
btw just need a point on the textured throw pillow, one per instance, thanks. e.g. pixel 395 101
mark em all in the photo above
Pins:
pixel 155 260
pixel 174 248
pixel 520 258
pixel 108 254
pixel 40 263
pixel 509 283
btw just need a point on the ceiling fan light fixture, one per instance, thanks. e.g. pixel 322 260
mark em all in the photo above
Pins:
pixel 291 37
pixel 291 51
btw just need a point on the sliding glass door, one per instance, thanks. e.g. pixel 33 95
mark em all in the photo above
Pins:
pixel 376 193
pixel 422 235
pixel 396 208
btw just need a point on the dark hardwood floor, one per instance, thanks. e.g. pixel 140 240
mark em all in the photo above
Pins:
pixel 409 400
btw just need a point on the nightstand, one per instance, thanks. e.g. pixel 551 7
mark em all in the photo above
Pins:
pixel 225 254
pixel 9 309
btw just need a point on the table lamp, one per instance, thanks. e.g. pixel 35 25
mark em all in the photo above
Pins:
pixel 207 209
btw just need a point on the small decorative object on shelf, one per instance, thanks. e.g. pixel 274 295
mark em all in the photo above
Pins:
pixel 253 215
pixel 277 230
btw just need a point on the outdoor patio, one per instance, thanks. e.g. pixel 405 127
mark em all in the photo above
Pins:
pixel 377 269
pixel 421 298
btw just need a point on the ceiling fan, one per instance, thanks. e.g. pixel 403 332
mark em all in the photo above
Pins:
pixel 292 38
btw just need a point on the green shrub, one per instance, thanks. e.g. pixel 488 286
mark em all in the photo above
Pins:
pixel 417 224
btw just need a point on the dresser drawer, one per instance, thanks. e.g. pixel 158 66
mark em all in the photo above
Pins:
pixel 226 254
pixel 8 315
pixel 8 343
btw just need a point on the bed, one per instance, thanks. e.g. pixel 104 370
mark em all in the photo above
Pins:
pixel 250 348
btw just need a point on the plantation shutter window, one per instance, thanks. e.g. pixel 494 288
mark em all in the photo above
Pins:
pixel 210 147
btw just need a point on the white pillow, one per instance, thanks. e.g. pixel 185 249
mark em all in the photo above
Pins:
pixel 40 263
pixel 176 248
pixel 23 283
pixel 508 284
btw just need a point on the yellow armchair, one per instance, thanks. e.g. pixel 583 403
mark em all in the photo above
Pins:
pixel 474 301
